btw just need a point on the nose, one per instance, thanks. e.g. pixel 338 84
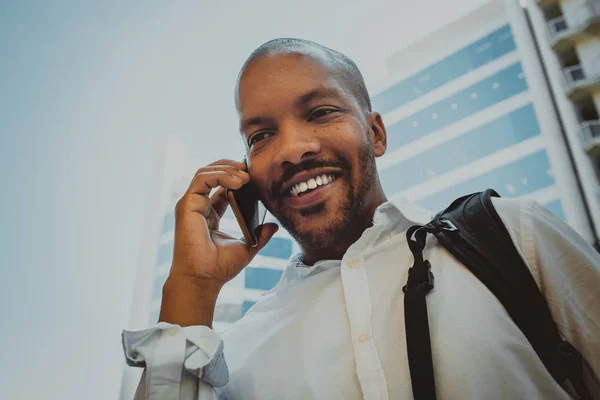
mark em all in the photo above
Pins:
pixel 296 143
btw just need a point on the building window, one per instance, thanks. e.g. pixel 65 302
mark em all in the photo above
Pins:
pixel 165 254
pixel 278 248
pixel 261 278
pixel 169 223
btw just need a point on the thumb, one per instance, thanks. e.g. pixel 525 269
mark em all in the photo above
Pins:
pixel 265 233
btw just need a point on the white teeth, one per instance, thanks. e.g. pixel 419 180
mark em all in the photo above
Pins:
pixel 310 184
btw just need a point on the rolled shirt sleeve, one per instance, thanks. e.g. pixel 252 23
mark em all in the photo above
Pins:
pixel 180 363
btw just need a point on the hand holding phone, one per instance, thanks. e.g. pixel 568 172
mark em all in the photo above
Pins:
pixel 248 210
pixel 204 258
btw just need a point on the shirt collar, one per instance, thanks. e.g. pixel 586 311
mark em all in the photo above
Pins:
pixel 397 211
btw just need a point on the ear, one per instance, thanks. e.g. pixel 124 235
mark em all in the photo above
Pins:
pixel 378 133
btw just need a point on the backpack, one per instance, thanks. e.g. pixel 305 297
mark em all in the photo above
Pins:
pixel 471 230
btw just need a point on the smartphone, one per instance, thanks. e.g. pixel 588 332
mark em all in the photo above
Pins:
pixel 248 210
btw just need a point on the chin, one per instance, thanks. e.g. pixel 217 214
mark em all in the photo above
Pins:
pixel 316 227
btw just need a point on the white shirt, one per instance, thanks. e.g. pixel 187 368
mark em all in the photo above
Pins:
pixel 335 330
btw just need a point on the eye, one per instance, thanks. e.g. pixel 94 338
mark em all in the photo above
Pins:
pixel 257 137
pixel 320 113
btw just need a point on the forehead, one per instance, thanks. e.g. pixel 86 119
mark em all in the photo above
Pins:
pixel 280 77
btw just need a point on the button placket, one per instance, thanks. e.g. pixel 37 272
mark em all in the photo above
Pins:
pixel 359 309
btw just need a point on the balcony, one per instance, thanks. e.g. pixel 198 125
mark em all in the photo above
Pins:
pixel 590 135
pixel 578 85
pixel 585 23
pixel 546 3
pixel 556 26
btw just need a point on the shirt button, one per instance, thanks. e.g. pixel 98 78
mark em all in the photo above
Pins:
pixel 392 234
pixel 363 337
pixel 173 331
pixel 351 263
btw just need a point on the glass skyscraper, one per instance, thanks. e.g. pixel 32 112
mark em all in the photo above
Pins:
pixel 463 114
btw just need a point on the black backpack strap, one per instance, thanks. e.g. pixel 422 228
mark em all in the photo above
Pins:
pixel 420 282
pixel 472 231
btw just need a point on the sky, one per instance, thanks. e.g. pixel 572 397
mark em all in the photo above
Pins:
pixel 87 89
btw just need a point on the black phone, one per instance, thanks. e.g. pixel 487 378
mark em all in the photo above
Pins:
pixel 248 210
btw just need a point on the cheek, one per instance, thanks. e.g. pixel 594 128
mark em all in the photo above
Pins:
pixel 257 176
pixel 263 189
pixel 342 137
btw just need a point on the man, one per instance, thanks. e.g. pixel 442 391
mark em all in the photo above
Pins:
pixel 333 328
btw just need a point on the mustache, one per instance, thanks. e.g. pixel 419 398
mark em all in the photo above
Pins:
pixel 306 165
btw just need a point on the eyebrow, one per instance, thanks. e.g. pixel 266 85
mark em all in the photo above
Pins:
pixel 318 94
pixel 315 94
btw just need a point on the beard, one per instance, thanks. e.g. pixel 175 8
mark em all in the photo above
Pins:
pixel 346 219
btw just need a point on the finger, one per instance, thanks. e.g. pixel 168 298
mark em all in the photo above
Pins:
pixel 191 202
pixel 265 232
pixel 219 201
pixel 233 167
pixel 204 182
pixel 222 167
pixel 202 172
pixel 237 164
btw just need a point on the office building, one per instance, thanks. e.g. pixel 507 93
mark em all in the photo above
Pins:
pixel 568 38
pixel 469 108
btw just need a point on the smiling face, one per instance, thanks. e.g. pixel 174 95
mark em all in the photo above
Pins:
pixel 311 149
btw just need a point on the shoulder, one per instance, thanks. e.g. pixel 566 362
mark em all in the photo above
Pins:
pixel 543 239
pixel 513 211
pixel 527 220
pixel 516 214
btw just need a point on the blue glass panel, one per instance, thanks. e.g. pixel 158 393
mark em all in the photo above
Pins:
pixel 481 52
pixel 485 93
pixel 533 167
pixel 165 254
pixel 246 306
pixel 277 247
pixel 261 278
pixel 556 208
pixel 154 316
pixel 169 223
pixel 478 143
pixel 157 286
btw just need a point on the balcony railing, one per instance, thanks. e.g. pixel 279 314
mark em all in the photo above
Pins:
pixel 590 135
pixel 556 26
pixel 584 21
pixel 573 74
pixel 580 84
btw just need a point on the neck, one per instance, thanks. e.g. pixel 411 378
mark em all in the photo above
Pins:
pixel 363 221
